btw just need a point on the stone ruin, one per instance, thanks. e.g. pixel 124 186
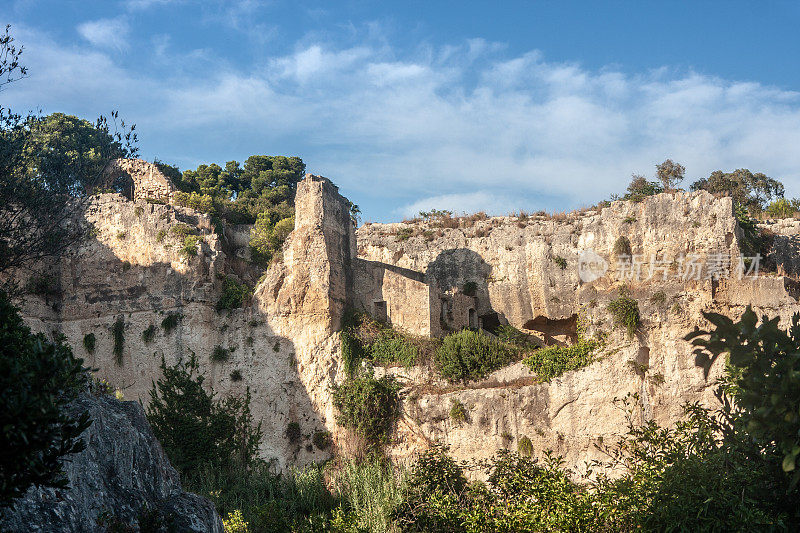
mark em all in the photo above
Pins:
pixel 137 179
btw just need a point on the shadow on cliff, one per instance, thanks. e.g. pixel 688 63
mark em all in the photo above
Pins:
pixel 466 271
pixel 99 290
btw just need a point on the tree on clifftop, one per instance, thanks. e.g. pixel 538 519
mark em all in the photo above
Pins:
pixel 670 173
pixel 753 191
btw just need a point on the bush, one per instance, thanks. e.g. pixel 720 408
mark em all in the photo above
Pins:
pixel 622 247
pixel 268 235
pixel 658 298
pixel 625 313
pixel 368 406
pixel 322 439
pixel 89 341
pixel 196 429
pixel 393 348
pixel 470 355
pixel 234 294
pixel 370 490
pixel 560 261
pixel 525 446
pixel 236 375
pixel 189 247
pixel 118 334
pixel 220 354
pixel 458 411
pixel 511 335
pixel 553 361
pixel 170 322
pixel 149 334
pixel 38 379
pixel 293 432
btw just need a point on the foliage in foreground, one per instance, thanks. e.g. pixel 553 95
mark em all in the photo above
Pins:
pixel 38 379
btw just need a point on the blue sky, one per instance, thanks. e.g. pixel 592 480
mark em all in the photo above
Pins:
pixel 498 106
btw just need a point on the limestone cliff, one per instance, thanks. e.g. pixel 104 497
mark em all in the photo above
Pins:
pixel 521 270
pixel 120 478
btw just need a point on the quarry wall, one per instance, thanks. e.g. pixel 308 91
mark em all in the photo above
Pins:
pixel 526 271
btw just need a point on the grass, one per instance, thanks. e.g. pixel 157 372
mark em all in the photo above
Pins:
pixel 560 261
pixel 371 490
pixel 234 294
pixel 658 298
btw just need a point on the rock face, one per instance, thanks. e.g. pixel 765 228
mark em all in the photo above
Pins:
pixel 428 278
pixel 122 475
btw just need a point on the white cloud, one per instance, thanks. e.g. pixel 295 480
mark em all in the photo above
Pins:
pixel 466 127
pixel 106 33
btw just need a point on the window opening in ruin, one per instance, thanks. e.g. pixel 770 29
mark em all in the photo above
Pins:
pixel 473 319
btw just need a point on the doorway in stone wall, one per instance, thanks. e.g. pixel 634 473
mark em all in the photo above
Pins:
pixel 379 311
pixel 473 319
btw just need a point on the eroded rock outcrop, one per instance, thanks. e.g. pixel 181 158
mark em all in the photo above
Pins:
pixel 121 477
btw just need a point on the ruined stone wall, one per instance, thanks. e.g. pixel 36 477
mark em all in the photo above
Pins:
pixel 404 293
pixel 148 180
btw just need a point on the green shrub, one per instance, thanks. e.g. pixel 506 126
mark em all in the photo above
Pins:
pixel 236 375
pixel 197 430
pixel 189 247
pixel 126 265
pixel 234 294
pixel 293 432
pixel 45 285
pixel 89 341
pixel 625 313
pixel 525 446
pixel 149 334
pixel 560 261
pixel 181 231
pixel 161 235
pixel 118 334
pixel 268 235
pixel 170 322
pixel 368 406
pixel 511 335
pixel 38 379
pixel 553 361
pixel 220 354
pixel 458 411
pixel 629 220
pixel 393 348
pixel 322 439
pixel 622 246
pixel 470 355
pixel 404 234
pixel 470 288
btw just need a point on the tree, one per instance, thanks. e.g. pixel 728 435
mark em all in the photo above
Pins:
pixel 38 379
pixel 196 429
pixel 48 167
pixel 639 188
pixel 753 191
pixel 670 174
